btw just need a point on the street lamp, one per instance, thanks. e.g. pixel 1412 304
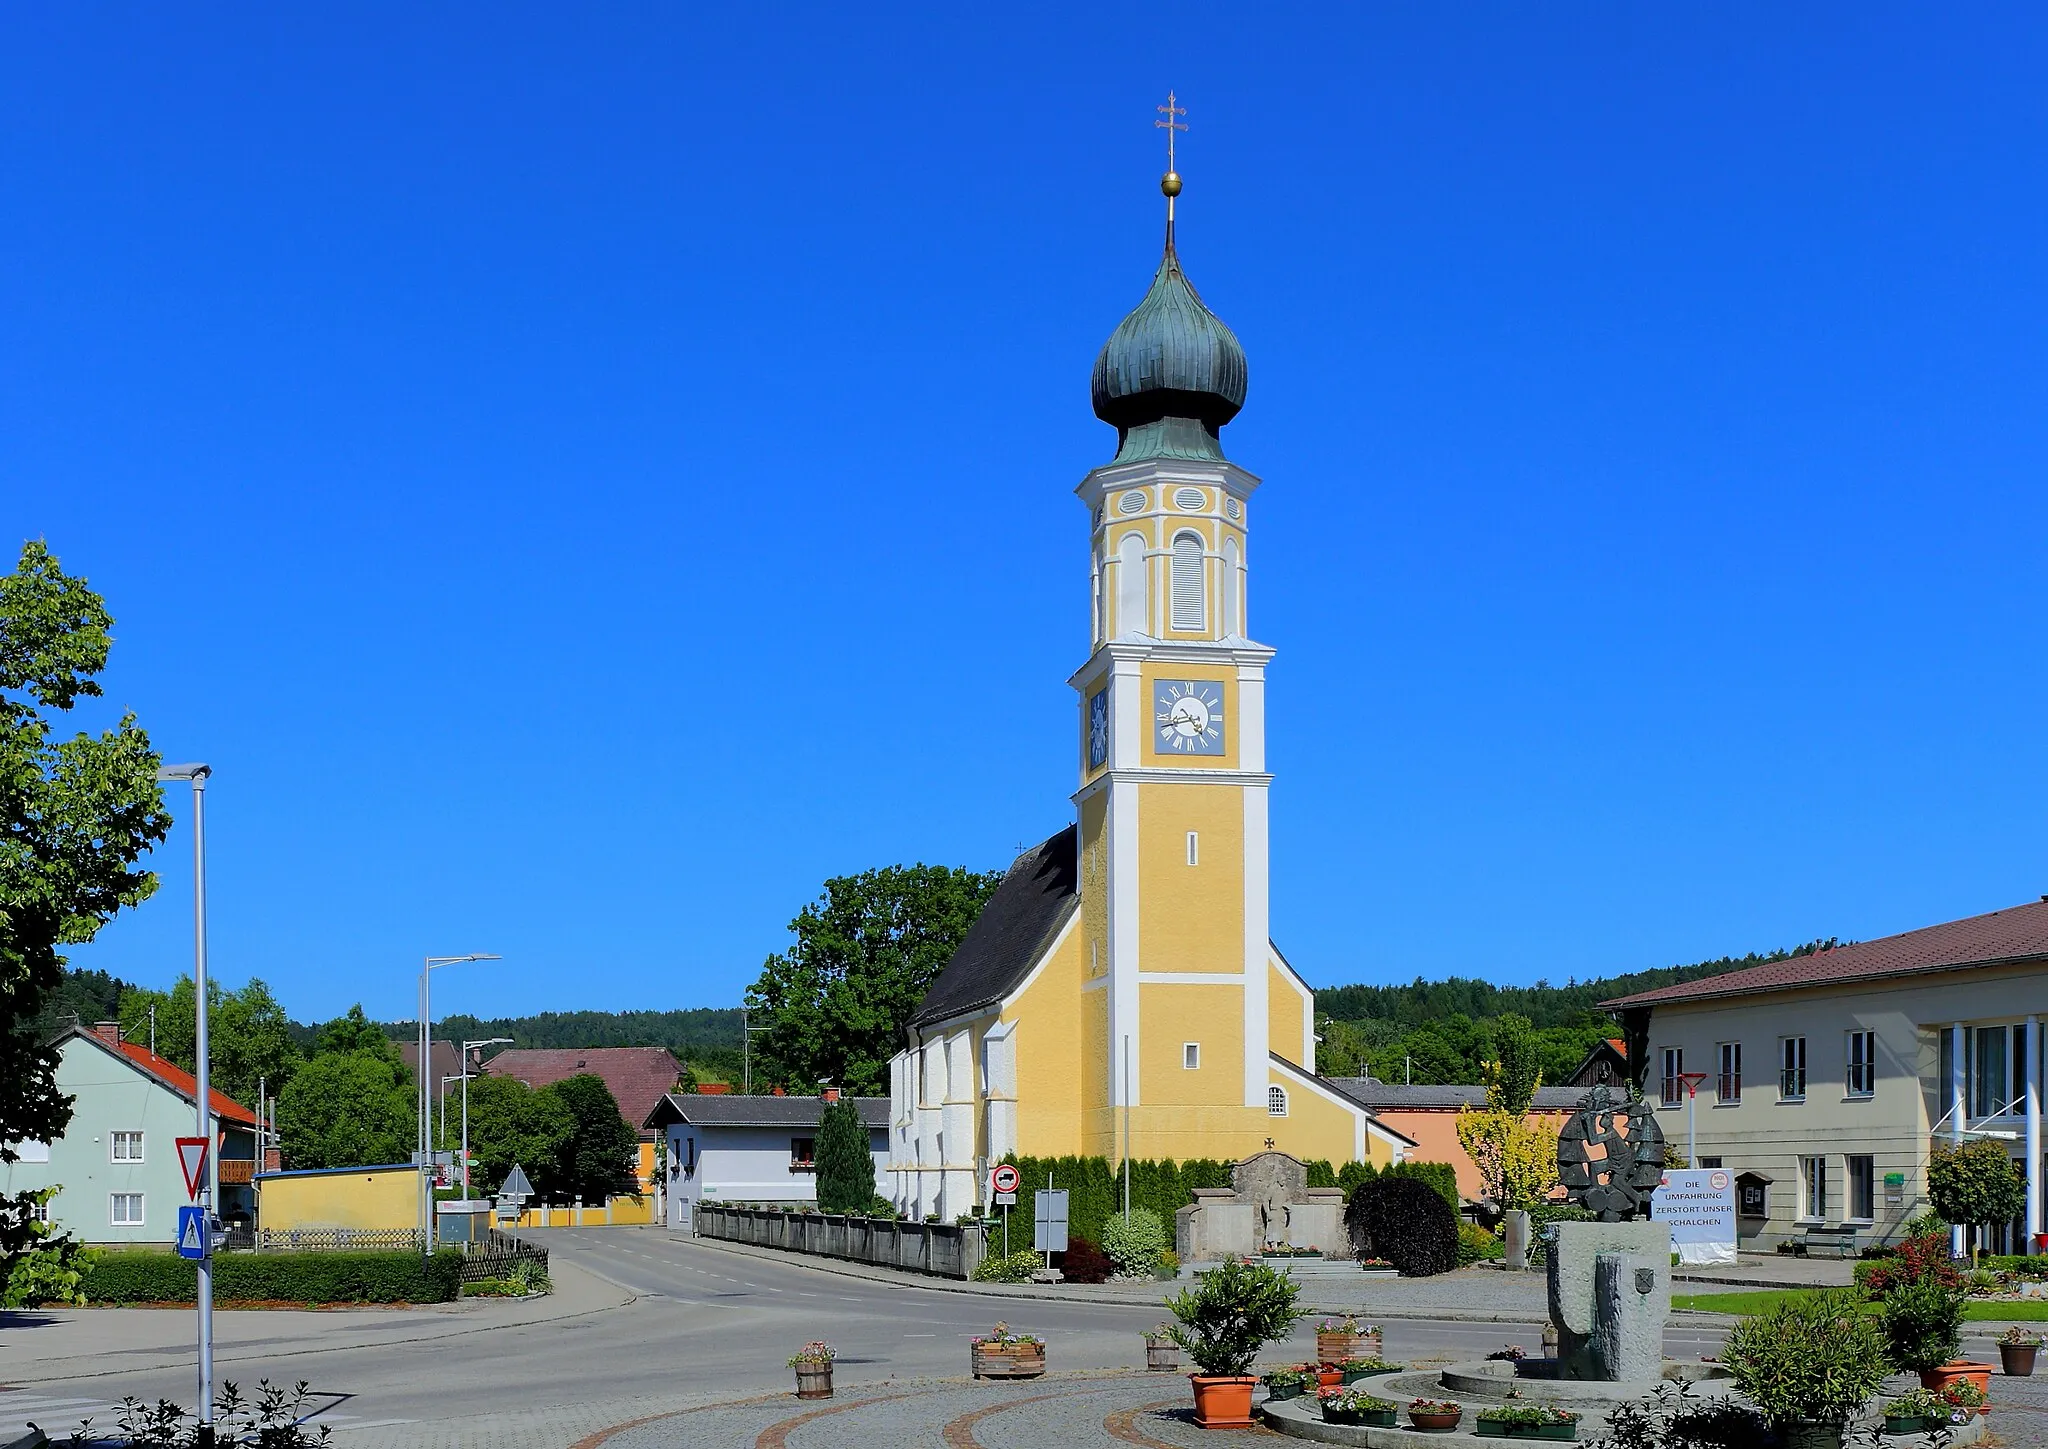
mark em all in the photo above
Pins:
pixel 198 774
pixel 466 1075
pixel 426 1077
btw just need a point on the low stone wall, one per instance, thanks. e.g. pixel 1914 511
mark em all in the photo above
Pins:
pixel 941 1249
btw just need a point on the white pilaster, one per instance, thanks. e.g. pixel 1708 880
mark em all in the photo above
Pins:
pixel 1958 1066
pixel 2035 1224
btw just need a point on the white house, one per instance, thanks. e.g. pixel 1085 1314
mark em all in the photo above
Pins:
pixel 751 1149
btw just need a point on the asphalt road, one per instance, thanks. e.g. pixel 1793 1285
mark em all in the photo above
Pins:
pixel 703 1323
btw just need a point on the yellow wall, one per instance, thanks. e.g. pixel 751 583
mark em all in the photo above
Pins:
pixel 1191 917
pixel 371 1198
pixel 1062 1046
pixel 1285 1010
pixel 1174 1015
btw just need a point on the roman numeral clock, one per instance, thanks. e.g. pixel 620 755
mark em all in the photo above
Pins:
pixel 1188 714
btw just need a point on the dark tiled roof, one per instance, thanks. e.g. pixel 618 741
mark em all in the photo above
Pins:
pixel 1393 1097
pixel 2019 933
pixel 637 1076
pixel 703 1111
pixel 1014 928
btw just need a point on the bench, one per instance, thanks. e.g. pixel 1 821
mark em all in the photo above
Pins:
pixel 1842 1240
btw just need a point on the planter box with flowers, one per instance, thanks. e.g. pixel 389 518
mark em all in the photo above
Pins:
pixel 813 1365
pixel 1006 1355
pixel 1351 1370
pixel 2017 1348
pixel 1435 1416
pixel 1918 1412
pixel 1349 1406
pixel 1340 1338
pixel 1291 1383
pixel 1378 1268
pixel 1529 1421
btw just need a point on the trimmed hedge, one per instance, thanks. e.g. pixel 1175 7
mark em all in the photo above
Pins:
pixel 1406 1221
pixel 388 1277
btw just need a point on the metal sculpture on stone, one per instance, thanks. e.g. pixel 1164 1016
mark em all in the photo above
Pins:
pixel 1610 1156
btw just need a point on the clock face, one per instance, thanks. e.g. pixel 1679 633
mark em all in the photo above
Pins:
pixel 1188 716
pixel 1098 729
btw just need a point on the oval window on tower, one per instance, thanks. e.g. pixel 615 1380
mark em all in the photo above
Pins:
pixel 1189 611
pixel 1190 500
pixel 1232 507
pixel 1131 502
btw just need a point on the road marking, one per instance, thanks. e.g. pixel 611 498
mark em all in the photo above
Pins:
pixel 776 1436
pixel 920 1335
pixel 1123 1424
pixel 960 1433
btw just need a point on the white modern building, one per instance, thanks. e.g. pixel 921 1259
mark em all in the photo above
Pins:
pixel 1823 1080
pixel 734 1149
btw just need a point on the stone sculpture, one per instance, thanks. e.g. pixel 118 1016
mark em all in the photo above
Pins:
pixel 1610 1156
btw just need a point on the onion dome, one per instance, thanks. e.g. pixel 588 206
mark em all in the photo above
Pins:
pixel 1172 374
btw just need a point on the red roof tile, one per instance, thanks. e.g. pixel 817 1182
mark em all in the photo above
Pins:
pixel 2019 933
pixel 179 1080
pixel 638 1076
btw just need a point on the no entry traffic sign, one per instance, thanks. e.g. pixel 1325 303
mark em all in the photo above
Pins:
pixel 1004 1178
pixel 192 1161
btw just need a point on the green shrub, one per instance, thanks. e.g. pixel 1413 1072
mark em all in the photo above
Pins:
pixel 1923 1323
pixel 388 1277
pixel 1817 1357
pixel 1232 1313
pixel 1016 1268
pixel 1477 1245
pixel 1406 1221
pixel 1135 1242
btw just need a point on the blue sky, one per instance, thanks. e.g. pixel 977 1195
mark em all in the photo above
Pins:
pixel 584 477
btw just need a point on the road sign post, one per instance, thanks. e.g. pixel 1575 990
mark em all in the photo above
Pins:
pixel 1003 1183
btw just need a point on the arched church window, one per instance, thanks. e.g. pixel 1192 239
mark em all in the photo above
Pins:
pixel 1189 607
pixel 1276 1101
pixel 1130 585
pixel 1233 591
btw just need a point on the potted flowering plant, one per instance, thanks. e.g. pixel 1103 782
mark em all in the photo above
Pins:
pixel 1915 1413
pixel 1351 1406
pixel 1378 1268
pixel 1290 1383
pixel 1529 1421
pixel 813 1365
pixel 1351 1370
pixel 1006 1355
pixel 1965 1401
pixel 1162 1354
pixel 1435 1416
pixel 1223 1321
pixel 2016 1349
pixel 1340 1338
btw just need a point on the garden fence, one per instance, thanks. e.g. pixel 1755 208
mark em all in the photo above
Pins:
pixel 944 1250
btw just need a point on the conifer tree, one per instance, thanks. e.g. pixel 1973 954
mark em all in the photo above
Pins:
pixel 846 1169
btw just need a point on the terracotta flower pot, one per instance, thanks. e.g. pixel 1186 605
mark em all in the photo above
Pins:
pixel 1223 1401
pixel 2018 1358
pixel 1435 1423
pixel 1949 1373
pixel 1328 1378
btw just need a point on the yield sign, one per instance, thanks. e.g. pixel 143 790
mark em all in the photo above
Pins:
pixel 192 1159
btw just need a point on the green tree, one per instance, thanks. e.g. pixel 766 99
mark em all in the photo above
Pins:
pixel 347 1109
pixel 509 1122
pixel 354 1032
pixel 1975 1184
pixel 602 1156
pixel 846 1168
pixel 77 815
pixel 835 1004
pixel 248 1036
pixel 1517 1067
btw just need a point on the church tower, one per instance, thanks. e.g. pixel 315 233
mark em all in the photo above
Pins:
pixel 1172 804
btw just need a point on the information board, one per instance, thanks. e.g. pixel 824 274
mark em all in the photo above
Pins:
pixel 1049 1220
pixel 1699 1204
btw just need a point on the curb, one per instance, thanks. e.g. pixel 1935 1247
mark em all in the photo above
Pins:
pixel 33 1439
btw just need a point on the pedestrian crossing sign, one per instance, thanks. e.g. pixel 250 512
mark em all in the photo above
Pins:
pixel 194 1241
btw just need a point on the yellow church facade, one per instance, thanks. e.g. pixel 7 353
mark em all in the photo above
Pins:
pixel 1120 993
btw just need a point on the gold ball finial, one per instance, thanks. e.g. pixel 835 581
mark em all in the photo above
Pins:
pixel 1169 184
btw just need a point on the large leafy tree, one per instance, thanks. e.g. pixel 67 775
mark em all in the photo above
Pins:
pixel 248 1036
pixel 836 1003
pixel 846 1168
pixel 602 1156
pixel 77 815
pixel 347 1109
pixel 509 1122
pixel 355 1032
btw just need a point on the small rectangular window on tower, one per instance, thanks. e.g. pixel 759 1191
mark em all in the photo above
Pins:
pixel 1191 1055
pixel 1194 848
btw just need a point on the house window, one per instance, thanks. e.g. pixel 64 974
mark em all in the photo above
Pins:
pixel 1792 1069
pixel 1674 1076
pixel 127 1147
pixel 1190 609
pixel 39 1211
pixel 1863 1189
pixel 1862 1063
pixel 803 1154
pixel 127 1210
pixel 1708 1163
pixel 1276 1101
pixel 1191 1055
pixel 1728 1086
pixel 32 1151
pixel 1989 1096
pixel 1194 848
pixel 1813 1185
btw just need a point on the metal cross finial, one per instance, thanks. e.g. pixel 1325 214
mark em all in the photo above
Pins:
pixel 1170 124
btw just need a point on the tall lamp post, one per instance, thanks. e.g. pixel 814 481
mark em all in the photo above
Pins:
pixel 197 774
pixel 467 1047
pixel 426 1092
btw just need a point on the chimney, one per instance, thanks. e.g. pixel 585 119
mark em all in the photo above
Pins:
pixel 776 1092
pixel 273 1159
pixel 713 1089
pixel 830 1094
pixel 107 1031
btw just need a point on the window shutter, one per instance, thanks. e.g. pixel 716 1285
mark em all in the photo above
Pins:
pixel 1188 610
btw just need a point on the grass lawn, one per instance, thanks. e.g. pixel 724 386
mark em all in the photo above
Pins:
pixel 1760 1299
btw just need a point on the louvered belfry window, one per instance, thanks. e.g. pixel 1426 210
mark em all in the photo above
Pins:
pixel 1188 610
